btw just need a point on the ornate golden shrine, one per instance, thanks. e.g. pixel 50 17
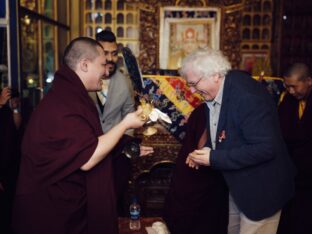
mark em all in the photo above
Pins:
pixel 149 21
pixel 231 27
pixel 245 35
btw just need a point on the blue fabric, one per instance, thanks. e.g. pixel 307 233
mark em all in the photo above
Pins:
pixel 149 91
pixel 133 69
pixel 252 155
pixel 160 101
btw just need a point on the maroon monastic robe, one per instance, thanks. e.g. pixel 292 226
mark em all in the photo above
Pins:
pixel 53 194
pixel 296 216
pixel 197 201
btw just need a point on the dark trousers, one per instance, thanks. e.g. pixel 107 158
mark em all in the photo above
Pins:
pixel 296 216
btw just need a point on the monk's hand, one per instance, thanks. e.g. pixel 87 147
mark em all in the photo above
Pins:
pixel 146 150
pixel 201 156
pixel 191 163
pixel 133 120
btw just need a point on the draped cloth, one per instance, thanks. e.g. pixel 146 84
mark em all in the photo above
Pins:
pixel 53 194
pixel 197 201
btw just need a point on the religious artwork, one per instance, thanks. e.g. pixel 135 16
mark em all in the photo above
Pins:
pixel 152 17
pixel 171 95
pixel 183 31
pixel 256 63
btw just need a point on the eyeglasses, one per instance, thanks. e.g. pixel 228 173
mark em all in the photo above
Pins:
pixel 193 85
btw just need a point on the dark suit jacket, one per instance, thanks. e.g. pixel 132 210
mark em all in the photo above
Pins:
pixel 252 156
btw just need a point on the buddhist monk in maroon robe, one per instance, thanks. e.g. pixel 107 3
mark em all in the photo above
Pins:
pixel 197 201
pixel 65 183
pixel 295 113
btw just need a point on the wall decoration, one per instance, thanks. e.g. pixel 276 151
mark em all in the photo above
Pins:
pixel 255 63
pixel 150 18
pixel 184 30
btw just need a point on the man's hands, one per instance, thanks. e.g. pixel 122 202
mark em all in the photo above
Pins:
pixel 134 120
pixel 198 158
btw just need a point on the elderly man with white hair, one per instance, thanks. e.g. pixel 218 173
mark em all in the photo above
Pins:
pixel 244 143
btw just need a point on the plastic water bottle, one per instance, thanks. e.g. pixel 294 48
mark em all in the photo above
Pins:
pixel 135 212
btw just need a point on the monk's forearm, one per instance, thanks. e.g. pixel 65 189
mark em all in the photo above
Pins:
pixel 106 143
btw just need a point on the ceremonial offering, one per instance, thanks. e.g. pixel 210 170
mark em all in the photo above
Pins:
pixel 152 115
pixel 146 109
pixel 149 131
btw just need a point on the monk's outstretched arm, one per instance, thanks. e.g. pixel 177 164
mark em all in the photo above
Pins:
pixel 108 141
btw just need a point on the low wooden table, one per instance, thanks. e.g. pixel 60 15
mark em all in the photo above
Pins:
pixel 145 222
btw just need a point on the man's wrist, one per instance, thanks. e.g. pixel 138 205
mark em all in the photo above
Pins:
pixel 15 111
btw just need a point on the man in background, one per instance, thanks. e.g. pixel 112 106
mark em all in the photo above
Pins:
pixel 295 113
pixel 113 103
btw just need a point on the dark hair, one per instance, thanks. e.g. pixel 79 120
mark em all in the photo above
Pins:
pixel 300 69
pixel 79 48
pixel 106 36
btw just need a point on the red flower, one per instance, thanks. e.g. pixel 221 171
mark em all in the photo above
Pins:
pixel 222 136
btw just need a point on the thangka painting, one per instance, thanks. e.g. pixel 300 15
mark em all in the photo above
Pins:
pixel 171 95
pixel 183 31
pixel 255 63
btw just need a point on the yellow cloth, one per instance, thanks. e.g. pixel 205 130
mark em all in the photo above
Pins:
pixel 170 92
pixel 302 105
pixel 281 97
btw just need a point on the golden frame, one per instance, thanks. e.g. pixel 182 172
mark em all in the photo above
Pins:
pixel 183 30
pixel 256 62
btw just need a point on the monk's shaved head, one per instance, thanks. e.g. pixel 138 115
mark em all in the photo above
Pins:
pixel 80 48
pixel 300 70
pixel 298 81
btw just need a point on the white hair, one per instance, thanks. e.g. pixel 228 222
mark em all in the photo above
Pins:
pixel 207 62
